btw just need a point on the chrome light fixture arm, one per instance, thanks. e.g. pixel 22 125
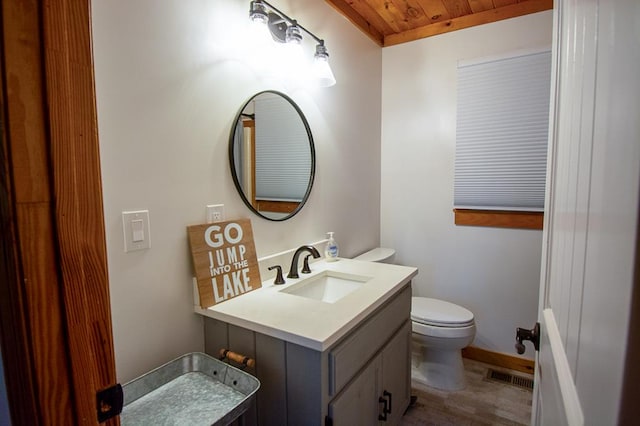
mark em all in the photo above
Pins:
pixel 273 20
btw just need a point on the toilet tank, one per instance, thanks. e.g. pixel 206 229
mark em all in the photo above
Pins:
pixel 378 254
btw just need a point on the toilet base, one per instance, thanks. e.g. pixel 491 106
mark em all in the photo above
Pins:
pixel 439 369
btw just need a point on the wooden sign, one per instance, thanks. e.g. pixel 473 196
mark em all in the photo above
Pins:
pixel 224 258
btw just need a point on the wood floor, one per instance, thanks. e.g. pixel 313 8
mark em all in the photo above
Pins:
pixel 483 402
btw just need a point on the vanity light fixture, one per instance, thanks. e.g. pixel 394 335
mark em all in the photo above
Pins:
pixel 286 30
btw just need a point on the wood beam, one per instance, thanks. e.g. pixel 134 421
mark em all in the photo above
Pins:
pixel 345 9
pixel 466 21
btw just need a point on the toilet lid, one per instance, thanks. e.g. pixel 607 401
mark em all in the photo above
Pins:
pixel 379 254
pixel 439 313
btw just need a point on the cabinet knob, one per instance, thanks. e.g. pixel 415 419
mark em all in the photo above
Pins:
pixel 386 408
pixel 383 416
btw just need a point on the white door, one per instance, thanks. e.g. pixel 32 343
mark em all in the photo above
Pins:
pixel 592 207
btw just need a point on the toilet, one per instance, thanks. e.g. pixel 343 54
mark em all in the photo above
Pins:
pixel 440 330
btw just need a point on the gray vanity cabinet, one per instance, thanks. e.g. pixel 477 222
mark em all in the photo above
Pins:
pixel 396 374
pixel 358 402
pixel 381 392
pixel 349 383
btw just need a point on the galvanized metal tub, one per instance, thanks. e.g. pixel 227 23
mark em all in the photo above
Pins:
pixel 194 389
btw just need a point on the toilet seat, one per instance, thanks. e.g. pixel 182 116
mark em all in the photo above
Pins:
pixel 438 313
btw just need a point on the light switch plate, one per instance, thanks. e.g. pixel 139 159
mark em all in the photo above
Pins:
pixel 137 235
pixel 215 213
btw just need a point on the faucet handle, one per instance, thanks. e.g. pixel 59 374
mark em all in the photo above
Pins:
pixel 279 279
pixel 305 265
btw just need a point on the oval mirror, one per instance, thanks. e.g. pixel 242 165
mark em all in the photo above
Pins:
pixel 272 156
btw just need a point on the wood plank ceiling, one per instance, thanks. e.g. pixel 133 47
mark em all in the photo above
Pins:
pixel 390 22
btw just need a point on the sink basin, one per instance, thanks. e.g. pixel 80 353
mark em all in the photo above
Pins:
pixel 328 286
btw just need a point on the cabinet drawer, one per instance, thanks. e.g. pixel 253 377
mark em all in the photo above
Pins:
pixel 349 356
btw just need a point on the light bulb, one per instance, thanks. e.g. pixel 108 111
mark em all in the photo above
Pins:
pixel 321 68
pixel 258 13
pixel 293 35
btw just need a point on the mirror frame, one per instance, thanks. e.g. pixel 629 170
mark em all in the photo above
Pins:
pixel 234 173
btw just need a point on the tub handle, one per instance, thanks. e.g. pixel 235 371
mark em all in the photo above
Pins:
pixel 243 360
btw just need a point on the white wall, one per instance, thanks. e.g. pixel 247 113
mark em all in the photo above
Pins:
pixel 170 78
pixel 493 272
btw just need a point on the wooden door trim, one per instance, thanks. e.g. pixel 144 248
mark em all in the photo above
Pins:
pixel 77 181
pixel 53 239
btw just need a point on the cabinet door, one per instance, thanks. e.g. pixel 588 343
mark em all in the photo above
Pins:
pixel 396 374
pixel 357 404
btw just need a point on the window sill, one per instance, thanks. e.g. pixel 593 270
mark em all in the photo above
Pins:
pixel 276 206
pixel 499 218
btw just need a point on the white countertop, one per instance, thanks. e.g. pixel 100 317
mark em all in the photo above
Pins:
pixel 307 322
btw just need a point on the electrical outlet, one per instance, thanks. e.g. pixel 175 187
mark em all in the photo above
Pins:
pixel 215 213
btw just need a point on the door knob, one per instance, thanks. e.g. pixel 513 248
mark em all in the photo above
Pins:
pixel 523 334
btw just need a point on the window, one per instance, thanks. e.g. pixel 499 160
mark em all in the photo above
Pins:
pixel 501 140
pixel 282 161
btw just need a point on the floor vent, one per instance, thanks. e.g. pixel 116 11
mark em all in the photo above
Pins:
pixel 501 376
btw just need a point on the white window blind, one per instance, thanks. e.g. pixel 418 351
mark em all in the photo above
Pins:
pixel 283 154
pixel 502 132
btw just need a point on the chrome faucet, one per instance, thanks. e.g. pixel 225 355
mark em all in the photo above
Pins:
pixel 293 271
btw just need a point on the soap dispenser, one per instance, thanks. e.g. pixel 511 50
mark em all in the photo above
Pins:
pixel 331 249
